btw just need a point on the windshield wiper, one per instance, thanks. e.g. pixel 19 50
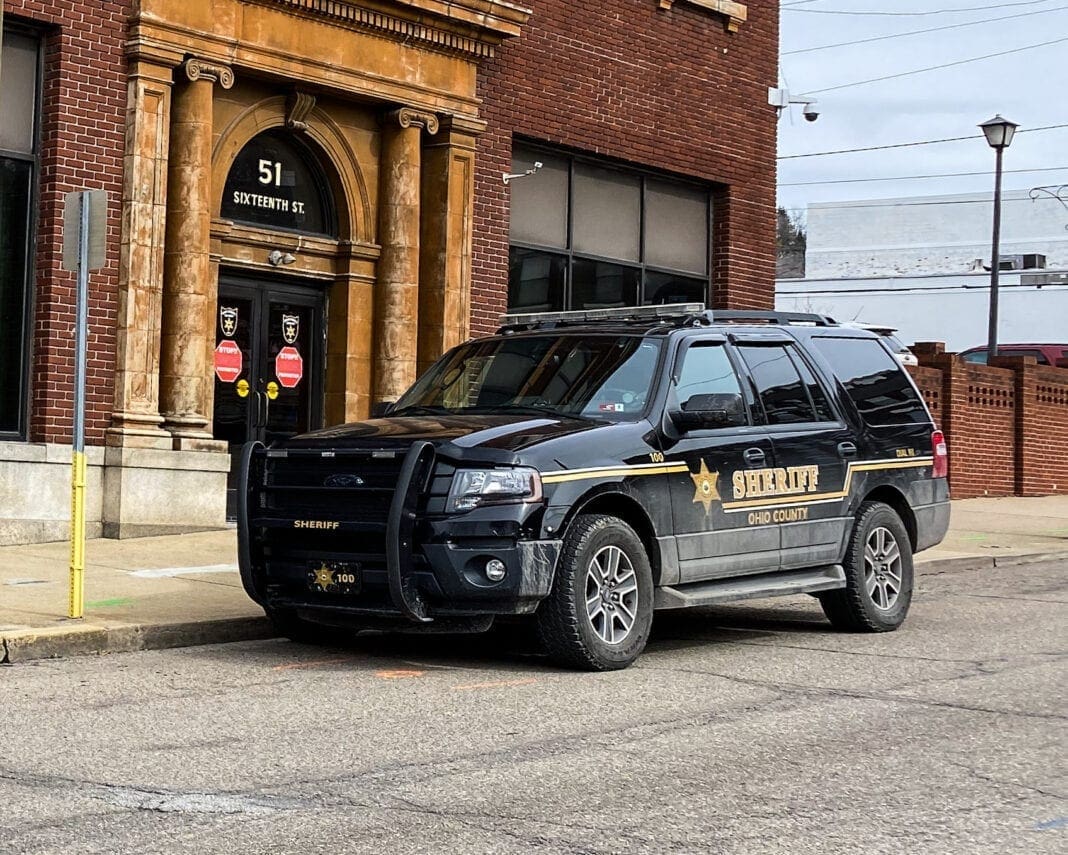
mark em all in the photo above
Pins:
pixel 420 410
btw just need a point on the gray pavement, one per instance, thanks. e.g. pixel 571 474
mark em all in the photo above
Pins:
pixel 745 729
pixel 147 593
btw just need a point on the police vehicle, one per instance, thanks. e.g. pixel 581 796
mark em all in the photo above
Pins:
pixel 589 468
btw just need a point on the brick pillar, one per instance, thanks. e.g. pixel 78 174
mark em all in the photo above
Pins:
pixel 1027 431
pixel 136 420
pixel 397 289
pixel 188 298
pixel 448 186
pixel 954 394
pixel 928 353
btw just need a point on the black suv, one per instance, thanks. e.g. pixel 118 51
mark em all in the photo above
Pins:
pixel 588 468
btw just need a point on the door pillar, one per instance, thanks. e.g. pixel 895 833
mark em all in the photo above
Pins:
pixel 448 189
pixel 188 288
pixel 397 289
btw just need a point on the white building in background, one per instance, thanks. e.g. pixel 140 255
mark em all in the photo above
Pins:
pixel 917 264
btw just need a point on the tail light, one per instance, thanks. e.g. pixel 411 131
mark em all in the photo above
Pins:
pixel 940 469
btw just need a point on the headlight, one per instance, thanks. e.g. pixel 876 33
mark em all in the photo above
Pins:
pixel 474 488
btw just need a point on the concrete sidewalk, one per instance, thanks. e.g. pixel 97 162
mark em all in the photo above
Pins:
pixel 184 589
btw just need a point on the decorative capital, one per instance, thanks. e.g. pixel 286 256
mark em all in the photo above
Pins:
pixel 407 117
pixel 199 69
pixel 298 107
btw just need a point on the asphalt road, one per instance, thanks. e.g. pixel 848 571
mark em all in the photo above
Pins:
pixel 749 729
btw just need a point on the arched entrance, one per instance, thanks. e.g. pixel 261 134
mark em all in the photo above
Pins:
pixel 269 358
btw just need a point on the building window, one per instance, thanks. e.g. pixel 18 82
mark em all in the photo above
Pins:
pixel 586 234
pixel 19 122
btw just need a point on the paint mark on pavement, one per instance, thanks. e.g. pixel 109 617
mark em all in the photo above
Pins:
pixel 314 663
pixel 398 674
pixel 1060 822
pixel 114 601
pixel 26 582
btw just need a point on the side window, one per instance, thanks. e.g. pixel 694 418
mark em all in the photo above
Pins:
pixel 823 408
pixel 1039 356
pixel 782 391
pixel 875 381
pixel 707 380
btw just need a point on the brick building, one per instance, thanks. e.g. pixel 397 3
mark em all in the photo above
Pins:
pixel 308 205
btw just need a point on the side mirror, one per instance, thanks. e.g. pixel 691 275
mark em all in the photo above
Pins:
pixel 382 408
pixel 705 412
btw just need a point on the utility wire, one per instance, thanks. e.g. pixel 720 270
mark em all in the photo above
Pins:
pixel 918 177
pixel 826 205
pixel 789 7
pixel 931 68
pixel 910 144
pixel 918 32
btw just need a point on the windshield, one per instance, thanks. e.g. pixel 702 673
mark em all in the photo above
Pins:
pixel 603 376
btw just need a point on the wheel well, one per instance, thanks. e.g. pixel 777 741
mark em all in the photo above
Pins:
pixel 628 510
pixel 889 496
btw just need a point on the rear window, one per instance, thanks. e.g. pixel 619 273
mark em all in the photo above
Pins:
pixel 874 380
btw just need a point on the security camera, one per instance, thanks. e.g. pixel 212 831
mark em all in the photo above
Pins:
pixel 810 111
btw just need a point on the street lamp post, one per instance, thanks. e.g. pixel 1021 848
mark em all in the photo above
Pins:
pixel 999 133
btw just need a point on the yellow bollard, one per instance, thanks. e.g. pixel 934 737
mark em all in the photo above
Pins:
pixel 76 601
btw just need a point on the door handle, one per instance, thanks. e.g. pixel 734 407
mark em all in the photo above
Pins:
pixel 260 420
pixel 847 449
pixel 753 456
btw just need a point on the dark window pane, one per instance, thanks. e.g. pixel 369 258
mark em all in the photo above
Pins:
pixel 14 225
pixel 18 94
pixel 779 385
pixel 1039 356
pixel 275 182
pixel 535 281
pixel 706 370
pixel 824 411
pixel 539 201
pixel 874 380
pixel 676 226
pixel 665 288
pixel 607 218
pixel 600 285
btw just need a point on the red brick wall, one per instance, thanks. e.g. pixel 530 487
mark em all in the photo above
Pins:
pixel 670 90
pixel 1006 425
pixel 82 137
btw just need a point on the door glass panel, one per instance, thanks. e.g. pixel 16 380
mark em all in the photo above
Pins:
pixel 779 385
pixel 233 388
pixel 287 378
pixel 706 370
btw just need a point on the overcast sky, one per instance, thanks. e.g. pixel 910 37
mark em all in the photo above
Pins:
pixel 1029 87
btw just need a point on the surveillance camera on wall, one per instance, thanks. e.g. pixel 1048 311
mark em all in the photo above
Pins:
pixel 810 111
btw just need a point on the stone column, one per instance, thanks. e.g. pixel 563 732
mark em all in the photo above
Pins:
pixel 188 317
pixel 136 420
pixel 397 289
pixel 448 188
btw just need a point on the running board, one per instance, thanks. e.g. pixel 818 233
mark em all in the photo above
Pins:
pixel 826 578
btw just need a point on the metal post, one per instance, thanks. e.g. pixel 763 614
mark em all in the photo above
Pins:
pixel 995 263
pixel 76 602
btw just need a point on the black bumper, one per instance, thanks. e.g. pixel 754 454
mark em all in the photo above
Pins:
pixel 416 567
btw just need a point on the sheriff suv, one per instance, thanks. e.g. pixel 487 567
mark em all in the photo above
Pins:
pixel 589 468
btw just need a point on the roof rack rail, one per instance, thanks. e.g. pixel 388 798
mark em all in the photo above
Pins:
pixel 672 312
pixel 719 315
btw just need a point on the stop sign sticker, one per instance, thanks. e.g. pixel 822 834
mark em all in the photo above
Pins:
pixel 289 367
pixel 227 361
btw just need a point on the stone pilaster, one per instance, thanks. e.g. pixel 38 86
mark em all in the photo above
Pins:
pixel 188 287
pixel 448 187
pixel 397 289
pixel 136 420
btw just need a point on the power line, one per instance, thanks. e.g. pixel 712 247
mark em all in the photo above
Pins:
pixel 932 67
pixel 919 32
pixel 825 205
pixel 918 177
pixel 788 7
pixel 909 144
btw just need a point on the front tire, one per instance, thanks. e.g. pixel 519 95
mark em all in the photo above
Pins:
pixel 600 610
pixel 879 574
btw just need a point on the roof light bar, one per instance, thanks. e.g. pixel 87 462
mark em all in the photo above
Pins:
pixel 636 313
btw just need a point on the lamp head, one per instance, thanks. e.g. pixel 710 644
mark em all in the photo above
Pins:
pixel 999 132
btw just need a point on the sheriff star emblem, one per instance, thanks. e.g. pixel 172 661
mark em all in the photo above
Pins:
pixel 704 483
pixel 324 577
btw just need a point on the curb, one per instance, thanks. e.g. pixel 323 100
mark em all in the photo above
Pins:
pixel 29 644
pixel 986 562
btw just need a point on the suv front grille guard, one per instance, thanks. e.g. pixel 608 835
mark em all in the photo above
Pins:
pixel 399 526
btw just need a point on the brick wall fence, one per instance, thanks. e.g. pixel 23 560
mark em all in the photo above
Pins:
pixel 665 89
pixel 1006 423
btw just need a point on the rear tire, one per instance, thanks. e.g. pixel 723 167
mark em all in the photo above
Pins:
pixel 879 574
pixel 600 610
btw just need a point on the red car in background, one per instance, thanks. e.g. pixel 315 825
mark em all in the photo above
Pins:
pixel 1045 354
